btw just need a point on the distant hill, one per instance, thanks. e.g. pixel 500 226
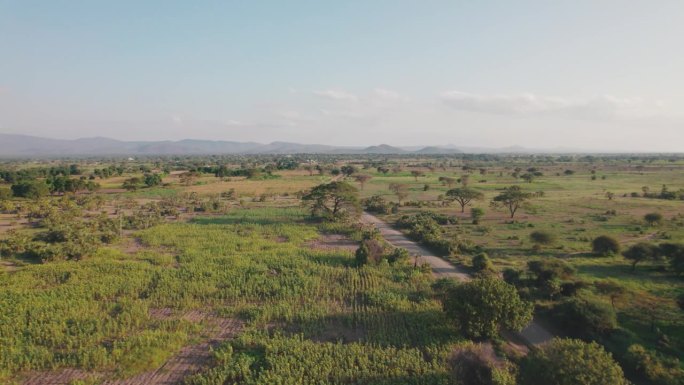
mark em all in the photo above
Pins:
pixel 434 150
pixel 25 146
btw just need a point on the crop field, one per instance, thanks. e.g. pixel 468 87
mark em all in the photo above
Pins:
pixel 174 273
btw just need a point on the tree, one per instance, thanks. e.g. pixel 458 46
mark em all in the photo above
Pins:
pixel 132 184
pixel 30 189
pixel 189 177
pixel 570 362
pixel 653 219
pixel 605 245
pixel 448 181
pixel 152 180
pixel 464 195
pixel 483 306
pixel 347 170
pixel 416 174
pixel 640 252
pixel 400 190
pixel 333 201
pixel 476 214
pixel 512 198
pixel 674 252
pixel 362 179
pixel 610 195
pixel 612 288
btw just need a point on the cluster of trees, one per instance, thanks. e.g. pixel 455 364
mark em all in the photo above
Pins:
pixel 671 253
pixel 147 180
pixel 377 204
pixel 560 362
pixel 664 193
pixel 64 234
pixel 426 228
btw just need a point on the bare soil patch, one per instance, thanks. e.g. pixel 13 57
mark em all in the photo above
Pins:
pixel 59 377
pixel 333 241
pixel 8 266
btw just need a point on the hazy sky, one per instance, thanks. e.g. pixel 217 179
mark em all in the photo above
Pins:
pixel 594 74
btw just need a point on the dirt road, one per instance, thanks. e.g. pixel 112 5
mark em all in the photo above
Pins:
pixel 533 334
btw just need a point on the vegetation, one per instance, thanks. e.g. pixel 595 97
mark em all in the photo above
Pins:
pixel 482 307
pixel 570 362
pixel 108 279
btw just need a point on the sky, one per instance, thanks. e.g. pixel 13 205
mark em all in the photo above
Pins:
pixel 602 75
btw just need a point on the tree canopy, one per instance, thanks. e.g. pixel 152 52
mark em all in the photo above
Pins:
pixel 482 307
pixel 464 195
pixel 570 362
pixel 512 198
pixel 333 201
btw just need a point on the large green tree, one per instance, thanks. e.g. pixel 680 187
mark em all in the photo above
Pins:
pixel 482 307
pixel 570 362
pixel 512 198
pixel 333 201
pixel 464 195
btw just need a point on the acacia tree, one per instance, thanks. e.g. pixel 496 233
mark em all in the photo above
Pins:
pixel 483 306
pixel 333 201
pixel 416 174
pixel 642 251
pixel 347 170
pixel 512 198
pixel 400 190
pixel 464 195
pixel 362 179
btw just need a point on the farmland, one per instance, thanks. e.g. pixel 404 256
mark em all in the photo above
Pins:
pixel 216 271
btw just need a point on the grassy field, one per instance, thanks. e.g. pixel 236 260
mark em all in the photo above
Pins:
pixel 254 265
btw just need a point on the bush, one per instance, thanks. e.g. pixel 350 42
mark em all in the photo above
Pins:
pixel 370 250
pixel 542 237
pixel 585 318
pixel 377 204
pixel 605 245
pixel 398 254
pixel 570 362
pixel 481 262
pixel 653 218
pixel 653 368
pixel 478 365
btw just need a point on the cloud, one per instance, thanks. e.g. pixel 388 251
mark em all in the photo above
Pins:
pixel 527 104
pixel 385 94
pixel 337 95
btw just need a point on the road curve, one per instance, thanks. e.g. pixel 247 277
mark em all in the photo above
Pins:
pixel 532 334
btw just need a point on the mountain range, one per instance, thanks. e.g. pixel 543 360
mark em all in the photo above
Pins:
pixel 25 146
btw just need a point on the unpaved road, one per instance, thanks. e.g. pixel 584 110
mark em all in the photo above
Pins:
pixel 533 334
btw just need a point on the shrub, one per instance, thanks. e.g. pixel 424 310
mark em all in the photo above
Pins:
pixel 585 318
pixel 478 365
pixel 570 362
pixel 370 250
pixel 653 368
pixel 481 262
pixel 653 218
pixel 542 237
pixel 605 245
